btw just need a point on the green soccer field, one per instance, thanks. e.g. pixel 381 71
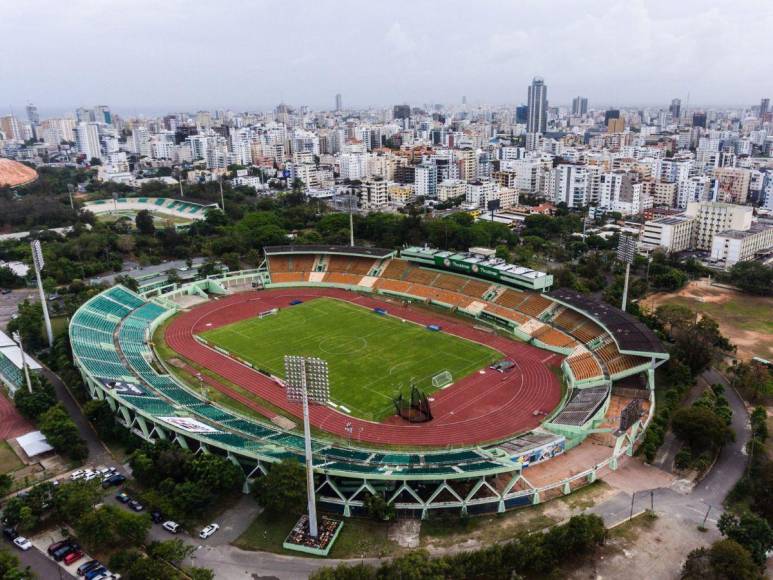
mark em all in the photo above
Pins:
pixel 370 357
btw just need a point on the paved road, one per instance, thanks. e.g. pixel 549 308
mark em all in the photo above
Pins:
pixel 44 567
pixel 710 492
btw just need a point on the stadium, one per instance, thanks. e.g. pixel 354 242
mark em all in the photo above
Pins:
pixel 524 393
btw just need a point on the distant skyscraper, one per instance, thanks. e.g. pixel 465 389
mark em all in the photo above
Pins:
pixel 464 101
pixel 401 111
pixel 675 109
pixel 611 114
pixel 764 107
pixel 699 120
pixel 522 114
pixel 579 106
pixel 339 102
pixel 32 114
pixel 538 106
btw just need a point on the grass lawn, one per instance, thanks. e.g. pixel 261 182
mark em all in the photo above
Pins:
pixel 370 357
pixel 745 312
pixel 8 459
pixel 358 538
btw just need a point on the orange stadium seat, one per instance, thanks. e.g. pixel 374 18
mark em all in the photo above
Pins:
pixel 533 305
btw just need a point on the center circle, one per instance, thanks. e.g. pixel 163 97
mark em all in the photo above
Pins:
pixel 342 344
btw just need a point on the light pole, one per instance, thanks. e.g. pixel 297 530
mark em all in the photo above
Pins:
pixel 39 262
pixel 626 250
pixel 222 198
pixel 17 339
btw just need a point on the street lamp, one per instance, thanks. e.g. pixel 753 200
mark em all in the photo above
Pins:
pixel 39 263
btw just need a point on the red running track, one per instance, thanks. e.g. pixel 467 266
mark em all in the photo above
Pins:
pixel 481 407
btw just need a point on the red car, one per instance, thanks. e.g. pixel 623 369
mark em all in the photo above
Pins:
pixel 73 557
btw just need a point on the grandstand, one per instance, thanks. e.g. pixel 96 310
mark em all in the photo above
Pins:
pixel 111 341
pixel 12 362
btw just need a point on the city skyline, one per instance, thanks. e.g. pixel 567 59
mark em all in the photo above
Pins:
pixel 660 51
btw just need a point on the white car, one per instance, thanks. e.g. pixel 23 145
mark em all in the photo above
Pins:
pixel 90 475
pixel 77 474
pixel 208 531
pixel 22 543
pixel 171 527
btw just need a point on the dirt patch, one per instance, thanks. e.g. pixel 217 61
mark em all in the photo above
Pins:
pixel 745 319
pixel 405 533
pixel 176 363
pixel 646 548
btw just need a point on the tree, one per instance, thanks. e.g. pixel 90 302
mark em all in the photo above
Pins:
pixel 173 551
pixel 283 488
pixel 101 416
pixel 144 223
pixel 41 399
pixel 29 323
pixel 753 277
pixel 378 508
pixel 62 433
pixel 10 568
pixel 72 500
pixel 750 531
pixel 111 527
pixel 6 483
pixel 700 428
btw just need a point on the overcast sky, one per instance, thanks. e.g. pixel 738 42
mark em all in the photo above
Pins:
pixel 153 56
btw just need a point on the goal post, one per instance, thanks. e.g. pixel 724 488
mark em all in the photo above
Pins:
pixel 442 379
pixel 268 312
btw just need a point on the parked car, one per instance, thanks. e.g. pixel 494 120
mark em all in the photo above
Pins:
pixel 123 498
pixel 90 475
pixel 208 531
pixel 94 572
pixel 171 527
pixel 22 543
pixel 59 554
pixel 6 291
pixel 77 474
pixel 114 479
pixel 55 546
pixel 156 516
pixel 10 533
pixel 135 505
pixel 72 557
pixel 88 566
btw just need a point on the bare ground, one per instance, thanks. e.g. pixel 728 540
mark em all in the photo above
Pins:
pixel 745 319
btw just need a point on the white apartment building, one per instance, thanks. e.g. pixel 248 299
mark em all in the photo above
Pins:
pixel 451 188
pixel 479 193
pixel 733 246
pixel 693 189
pixel 732 184
pixel 672 233
pixel 87 140
pixel 375 193
pixel 674 169
pixel 425 180
pixel 619 191
pixel 712 218
pixel 141 141
pixel 572 184
pixel 351 166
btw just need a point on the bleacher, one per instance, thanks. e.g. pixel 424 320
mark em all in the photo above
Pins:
pixel 581 406
pixel 533 305
pixel 350 264
pixel 587 331
pixel 554 337
pixel 396 269
pixel 569 320
pixel 584 367
pixel 511 298
pixel 341 278
pixel 421 276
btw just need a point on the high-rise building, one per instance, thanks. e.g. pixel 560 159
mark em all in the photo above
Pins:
pixel 401 111
pixel 611 114
pixel 339 102
pixel 699 120
pixel 579 106
pixel 87 140
pixel 538 106
pixel 675 109
pixel 764 107
pixel 32 114
pixel 522 114
pixel 9 127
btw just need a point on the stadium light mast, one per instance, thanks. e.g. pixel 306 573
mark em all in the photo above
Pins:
pixel 351 222
pixel 39 262
pixel 304 374
pixel 222 198
pixel 626 250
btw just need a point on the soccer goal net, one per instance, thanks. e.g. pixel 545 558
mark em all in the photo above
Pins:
pixel 442 379
pixel 268 312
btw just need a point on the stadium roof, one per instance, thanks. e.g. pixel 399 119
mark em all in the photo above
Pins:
pixel 323 249
pixel 629 333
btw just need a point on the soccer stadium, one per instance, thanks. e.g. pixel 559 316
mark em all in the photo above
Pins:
pixel 457 382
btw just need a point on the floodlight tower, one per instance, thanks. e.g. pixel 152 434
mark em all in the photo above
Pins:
pixel 626 250
pixel 39 262
pixel 304 374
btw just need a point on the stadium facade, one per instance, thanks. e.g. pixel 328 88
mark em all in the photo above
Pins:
pixel 608 370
